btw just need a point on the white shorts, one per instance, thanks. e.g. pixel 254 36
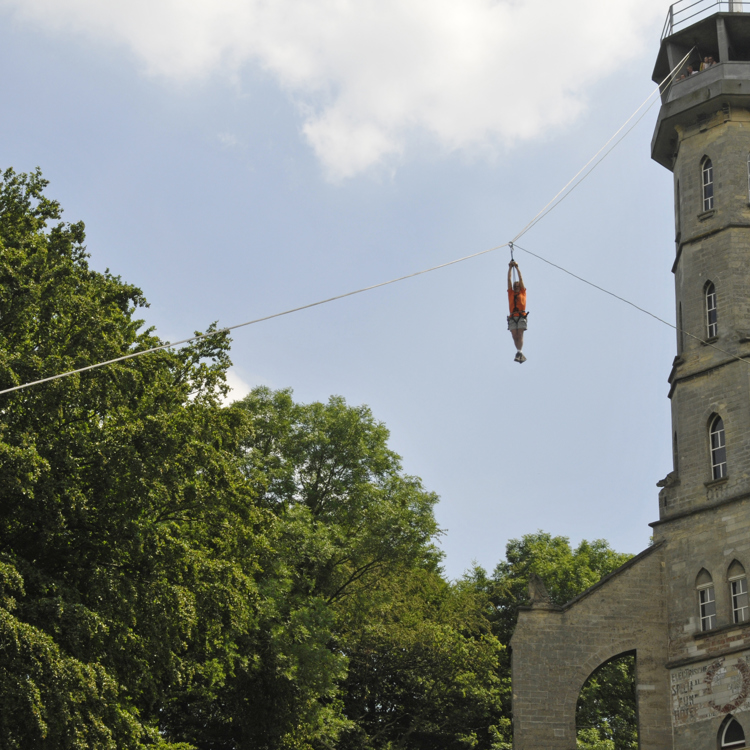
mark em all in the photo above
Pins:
pixel 517 323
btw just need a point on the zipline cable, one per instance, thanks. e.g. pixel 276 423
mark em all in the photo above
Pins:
pixel 535 220
pixel 200 336
pixel 632 304
pixel 547 209
pixel 554 202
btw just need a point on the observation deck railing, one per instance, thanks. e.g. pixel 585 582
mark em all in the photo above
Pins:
pixel 685 11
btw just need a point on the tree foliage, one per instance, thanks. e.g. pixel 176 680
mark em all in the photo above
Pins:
pixel 177 574
pixel 606 708
pixel 424 669
pixel 361 615
pixel 121 498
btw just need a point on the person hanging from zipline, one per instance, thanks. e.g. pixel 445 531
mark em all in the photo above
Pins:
pixel 517 304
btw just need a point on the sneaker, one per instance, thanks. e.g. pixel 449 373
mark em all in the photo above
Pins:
pixel 520 358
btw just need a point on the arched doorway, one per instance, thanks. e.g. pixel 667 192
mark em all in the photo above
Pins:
pixel 606 709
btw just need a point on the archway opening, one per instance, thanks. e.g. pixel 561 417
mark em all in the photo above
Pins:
pixel 606 717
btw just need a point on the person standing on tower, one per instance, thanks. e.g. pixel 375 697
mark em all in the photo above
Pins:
pixel 517 304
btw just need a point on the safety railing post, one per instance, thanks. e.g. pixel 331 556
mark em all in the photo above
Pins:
pixel 683 12
pixel 680 13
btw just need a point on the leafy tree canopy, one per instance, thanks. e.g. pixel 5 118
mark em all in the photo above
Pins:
pixel 121 500
pixel 606 710
pixel 409 661
pixel 177 574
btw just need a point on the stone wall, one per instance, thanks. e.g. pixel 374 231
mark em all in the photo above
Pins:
pixel 689 682
pixel 712 246
pixel 555 650
pixel 710 538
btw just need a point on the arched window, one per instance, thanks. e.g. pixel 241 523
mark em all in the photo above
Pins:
pixel 718 448
pixel 738 590
pixel 731 733
pixel 707 175
pixel 706 600
pixel 712 313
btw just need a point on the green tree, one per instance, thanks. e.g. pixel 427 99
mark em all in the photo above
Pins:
pixel 177 574
pixel 362 643
pixel 348 523
pixel 122 501
pixel 172 571
pixel 606 708
pixel 590 739
pixel 423 669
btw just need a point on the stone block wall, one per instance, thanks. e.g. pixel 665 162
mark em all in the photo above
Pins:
pixel 710 538
pixel 712 246
pixel 555 650
pixel 689 682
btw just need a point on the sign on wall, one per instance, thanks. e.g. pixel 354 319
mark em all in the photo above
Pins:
pixel 705 691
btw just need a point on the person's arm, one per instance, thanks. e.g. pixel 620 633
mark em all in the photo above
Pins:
pixel 520 278
pixel 511 265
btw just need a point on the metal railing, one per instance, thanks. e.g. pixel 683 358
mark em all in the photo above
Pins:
pixel 680 13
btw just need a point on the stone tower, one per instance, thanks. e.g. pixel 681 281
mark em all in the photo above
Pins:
pixel 681 606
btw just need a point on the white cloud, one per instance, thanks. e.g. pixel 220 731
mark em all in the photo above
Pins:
pixel 369 73
pixel 238 387
pixel 228 140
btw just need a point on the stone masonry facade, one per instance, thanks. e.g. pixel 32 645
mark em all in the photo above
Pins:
pixel 678 605
pixel 556 649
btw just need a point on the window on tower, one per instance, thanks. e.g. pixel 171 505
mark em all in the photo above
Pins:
pixel 707 171
pixel 706 600
pixel 712 315
pixel 718 448
pixel 731 733
pixel 738 590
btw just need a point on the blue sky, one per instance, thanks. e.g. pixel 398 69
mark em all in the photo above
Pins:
pixel 238 158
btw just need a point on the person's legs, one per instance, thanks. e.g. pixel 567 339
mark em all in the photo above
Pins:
pixel 516 326
pixel 517 338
